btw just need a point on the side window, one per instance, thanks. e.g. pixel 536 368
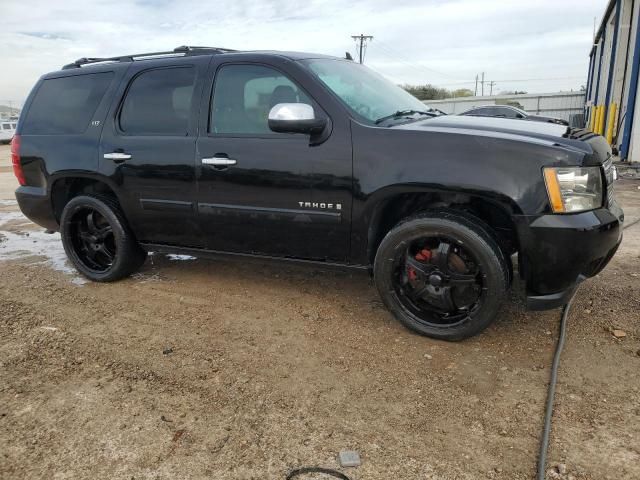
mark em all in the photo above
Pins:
pixel 480 111
pixel 158 102
pixel 243 96
pixel 6 126
pixel 66 105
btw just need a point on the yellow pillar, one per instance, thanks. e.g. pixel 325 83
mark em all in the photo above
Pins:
pixel 603 115
pixel 596 119
pixel 611 122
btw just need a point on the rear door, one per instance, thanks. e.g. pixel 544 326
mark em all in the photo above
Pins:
pixel 269 193
pixel 148 148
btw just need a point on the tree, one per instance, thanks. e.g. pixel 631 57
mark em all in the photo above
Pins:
pixel 462 92
pixel 431 92
pixel 427 92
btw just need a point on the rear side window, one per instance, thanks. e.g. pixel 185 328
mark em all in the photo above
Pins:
pixel 158 102
pixel 66 105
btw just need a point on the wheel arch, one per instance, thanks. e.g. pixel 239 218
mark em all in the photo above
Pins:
pixel 390 205
pixel 66 185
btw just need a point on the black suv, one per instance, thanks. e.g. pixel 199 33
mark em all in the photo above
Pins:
pixel 315 159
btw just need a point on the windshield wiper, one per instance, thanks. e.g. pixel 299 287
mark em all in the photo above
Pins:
pixel 402 113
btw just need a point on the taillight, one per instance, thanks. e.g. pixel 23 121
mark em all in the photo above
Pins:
pixel 15 160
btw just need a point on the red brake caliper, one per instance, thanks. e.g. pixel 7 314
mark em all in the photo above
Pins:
pixel 423 255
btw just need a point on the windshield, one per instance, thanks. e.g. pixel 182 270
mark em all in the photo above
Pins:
pixel 365 92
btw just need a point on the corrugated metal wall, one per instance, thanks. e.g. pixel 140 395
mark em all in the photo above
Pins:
pixel 614 115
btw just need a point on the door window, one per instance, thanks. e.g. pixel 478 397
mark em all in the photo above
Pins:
pixel 158 102
pixel 243 96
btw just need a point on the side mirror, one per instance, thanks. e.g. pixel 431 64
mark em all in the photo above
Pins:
pixel 295 118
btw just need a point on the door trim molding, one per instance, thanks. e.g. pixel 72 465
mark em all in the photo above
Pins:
pixel 295 215
pixel 164 205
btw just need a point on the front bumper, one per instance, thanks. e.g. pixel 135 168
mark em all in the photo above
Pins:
pixel 36 206
pixel 557 252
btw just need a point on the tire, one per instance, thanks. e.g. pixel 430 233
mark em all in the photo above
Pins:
pixel 114 253
pixel 485 274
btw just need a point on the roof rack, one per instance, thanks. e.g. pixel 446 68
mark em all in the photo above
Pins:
pixel 183 51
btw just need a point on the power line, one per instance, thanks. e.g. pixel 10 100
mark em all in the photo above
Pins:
pixel 363 39
pixel 397 56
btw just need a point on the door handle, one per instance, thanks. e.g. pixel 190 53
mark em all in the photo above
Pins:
pixel 219 161
pixel 118 156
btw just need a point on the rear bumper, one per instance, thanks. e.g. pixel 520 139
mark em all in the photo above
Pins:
pixel 557 252
pixel 36 206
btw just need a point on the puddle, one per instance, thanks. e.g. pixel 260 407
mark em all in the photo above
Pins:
pixel 16 245
pixel 34 243
pixel 177 257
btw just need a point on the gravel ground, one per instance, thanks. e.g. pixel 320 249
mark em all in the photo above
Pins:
pixel 235 370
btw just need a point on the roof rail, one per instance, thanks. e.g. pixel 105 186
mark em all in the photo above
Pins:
pixel 182 51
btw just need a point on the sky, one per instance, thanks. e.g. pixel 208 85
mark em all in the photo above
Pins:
pixel 536 46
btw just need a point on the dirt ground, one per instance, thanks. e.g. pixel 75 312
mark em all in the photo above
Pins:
pixel 232 370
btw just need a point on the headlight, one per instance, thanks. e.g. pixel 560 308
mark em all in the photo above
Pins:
pixel 574 189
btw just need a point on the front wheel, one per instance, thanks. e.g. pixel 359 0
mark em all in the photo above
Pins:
pixel 97 239
pixel 442 274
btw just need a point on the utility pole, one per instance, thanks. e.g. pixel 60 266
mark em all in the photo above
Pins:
pixel 476 91
pixel 491 84
pixel 482 83
pixel 363 39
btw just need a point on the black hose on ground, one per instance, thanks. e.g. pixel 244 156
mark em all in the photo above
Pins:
pixel 546 431
pixel 326 471
pixel 631 224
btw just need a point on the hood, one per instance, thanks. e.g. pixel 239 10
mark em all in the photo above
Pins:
pixel 534 132
pixel 490 124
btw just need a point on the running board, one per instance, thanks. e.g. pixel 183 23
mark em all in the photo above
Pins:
pixel 216 254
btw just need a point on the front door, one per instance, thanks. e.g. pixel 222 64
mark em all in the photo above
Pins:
pixel 149 150
pixel 269 193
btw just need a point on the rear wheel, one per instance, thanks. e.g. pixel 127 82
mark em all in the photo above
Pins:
pixel 442 274
pixel 97 239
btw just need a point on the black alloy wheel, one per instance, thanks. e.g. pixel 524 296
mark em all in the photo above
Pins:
pixel 92 238
pixel 439 281
pixel 98 240
pixel 442 274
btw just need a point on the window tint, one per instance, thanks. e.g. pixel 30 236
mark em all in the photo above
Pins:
pixel 158 102
pixel 244 95
pixel 65 105
pixel 6 126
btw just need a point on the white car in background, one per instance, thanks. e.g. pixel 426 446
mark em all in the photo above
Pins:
pixel 7 130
